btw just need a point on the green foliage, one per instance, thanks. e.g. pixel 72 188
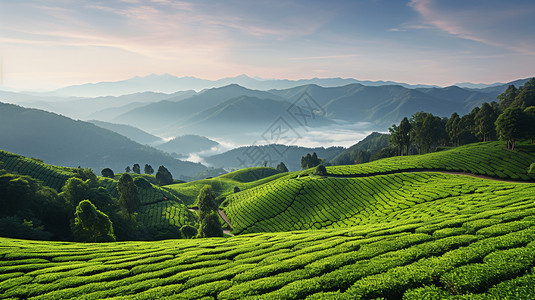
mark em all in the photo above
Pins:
pixel 206 199
pixel 148 169
pixel 92 225
pixel 526 95
pixel 51 176
pixel 107 172
pixel 74 191
pixel 379 261
pixel 188 231
pixel 507 98
pixel 127 169
pixel 400 136
pixel 311 203
pixel 142 183
pixel 15 227
pixel 310 161
pixel 209 225
pixel 321 170
pixel 428 131
pixel 490 159
pixel 163 176
pixel 128 194
pixel 136 169
pixel 86 175
pixel 282 167
pixel 484 121
pixel 454 129
pixel 511 126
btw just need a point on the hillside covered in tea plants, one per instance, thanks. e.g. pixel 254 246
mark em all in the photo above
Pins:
pixel 458 223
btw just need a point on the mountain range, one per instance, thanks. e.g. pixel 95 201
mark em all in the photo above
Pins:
pixel 62 141
pixel 167 83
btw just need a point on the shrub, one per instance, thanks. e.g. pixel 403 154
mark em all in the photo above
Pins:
pixel 92 225
pixel 188 231
pixel 321 170
pixel 107 172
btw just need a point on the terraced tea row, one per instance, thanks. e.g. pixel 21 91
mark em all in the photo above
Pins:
pixel 314 203
pixel 490 158
pixel 51 176
pixel 486 252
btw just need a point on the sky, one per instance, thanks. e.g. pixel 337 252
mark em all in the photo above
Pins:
pixel 47 44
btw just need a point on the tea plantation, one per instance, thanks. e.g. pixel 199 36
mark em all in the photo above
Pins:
pixel 396 228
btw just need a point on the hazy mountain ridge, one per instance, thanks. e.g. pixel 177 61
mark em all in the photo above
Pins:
pixel 252 156
pixel 167 83
pixel 187 144
pixel 130 132
pixel 62 141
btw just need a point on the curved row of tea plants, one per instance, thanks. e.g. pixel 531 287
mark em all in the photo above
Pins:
pixel 51 176
pixel 314 203
pixel 487 253
pixel 489 158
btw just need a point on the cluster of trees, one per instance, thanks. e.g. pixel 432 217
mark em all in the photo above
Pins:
pixel 82 211
pixel 163 176
pixel 137 169
pixel 310 161
pixel 209 225
pixel 282 167
pixel 510 119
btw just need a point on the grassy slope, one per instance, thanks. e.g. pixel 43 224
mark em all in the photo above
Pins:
pixel 224 185
pixel 418 235
pixel 154 211
pixel 308 202
pixel 490 251
pixel 490 158
pixel 51 176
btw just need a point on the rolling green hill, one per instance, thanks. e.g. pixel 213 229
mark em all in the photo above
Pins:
pixel 487 254
pixel 488 158
pixel 379 190
pixel 161 210
pixel 224 185
pixel 394 228
pixel 51 176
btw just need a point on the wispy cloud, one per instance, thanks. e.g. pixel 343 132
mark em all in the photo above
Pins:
pixel 501 24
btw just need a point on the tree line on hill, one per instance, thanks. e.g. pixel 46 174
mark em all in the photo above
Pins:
pixel 510 119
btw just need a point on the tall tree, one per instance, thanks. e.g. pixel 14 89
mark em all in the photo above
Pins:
pixel 453 128
pixel 405 128
pixel 74 191
pixel 282 167
pixel 136 169
pixel 310 161
pixel 128 194
pixel 92 225
pixel 529 114
pixel 127 169
pixel 526 95
pixel 484 122
pixel 107 172
pixel 506 98
pixel 509 126
pixel 209 225
pixel 163 176
pixel 148 169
